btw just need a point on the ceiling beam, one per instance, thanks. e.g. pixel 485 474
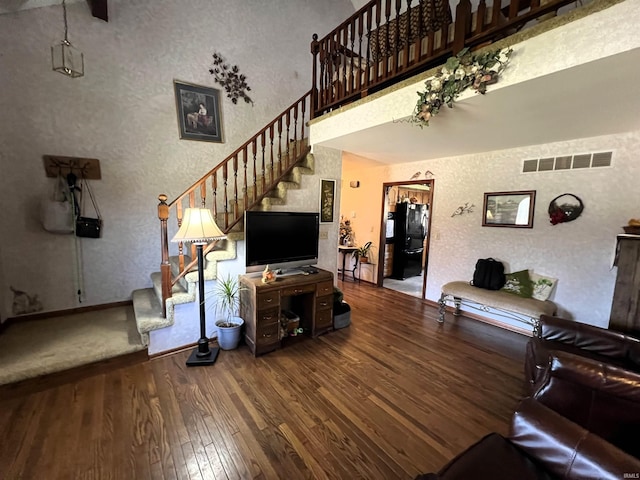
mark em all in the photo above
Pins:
pixel 99 9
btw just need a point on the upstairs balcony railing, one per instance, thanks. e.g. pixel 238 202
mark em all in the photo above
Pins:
pixel 237 184
pixel 387 41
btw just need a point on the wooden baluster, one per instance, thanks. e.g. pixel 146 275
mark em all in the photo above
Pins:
pixel 378 55
pixel 396 41
pixel 165 266
pixel 254 149
pixel 362 69
pixel 264 167
pixel 192 204
pixel 514 7
pixel 179 216
pixel 315 48
pixel 410 36
pixel 288 152
pixel 279 148
pixel 496 14
pixel 214 188
pixel 203 194
pixel 245 187
pixel 302 122
pixel 462 25
pixel 225 180
pixel 271 170
pixel 480 17
pixel 235 185
pixel 296 146
pixel 387 16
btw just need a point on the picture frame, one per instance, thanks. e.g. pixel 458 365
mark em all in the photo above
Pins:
pixel 327 200
pixel 509 209
pixel 198 110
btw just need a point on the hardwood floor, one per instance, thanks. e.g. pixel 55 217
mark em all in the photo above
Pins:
pixel 393 395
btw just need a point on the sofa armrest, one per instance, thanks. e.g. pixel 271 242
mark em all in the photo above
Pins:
pixel 565 449
pixel 600 397
pixel 590 338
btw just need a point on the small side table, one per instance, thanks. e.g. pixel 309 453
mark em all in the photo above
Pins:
pixel 344 250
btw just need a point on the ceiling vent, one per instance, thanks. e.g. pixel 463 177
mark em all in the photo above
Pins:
pixel 568 162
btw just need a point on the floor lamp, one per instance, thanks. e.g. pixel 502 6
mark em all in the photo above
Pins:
pixel 199 227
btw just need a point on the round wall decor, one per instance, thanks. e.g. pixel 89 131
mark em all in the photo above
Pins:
pixel 565 209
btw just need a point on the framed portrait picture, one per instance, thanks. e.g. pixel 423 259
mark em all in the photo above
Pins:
pixel 198 112
pixel 509 209
pixel 327 200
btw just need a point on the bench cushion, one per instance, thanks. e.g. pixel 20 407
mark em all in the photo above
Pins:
pixel 500 299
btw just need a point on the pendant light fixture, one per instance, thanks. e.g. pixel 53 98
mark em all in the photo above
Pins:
pixel 65 58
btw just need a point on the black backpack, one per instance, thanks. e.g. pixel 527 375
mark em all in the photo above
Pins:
pixel 489 274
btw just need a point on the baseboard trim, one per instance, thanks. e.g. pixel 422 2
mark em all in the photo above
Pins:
pixel 166 353
pixel 61 313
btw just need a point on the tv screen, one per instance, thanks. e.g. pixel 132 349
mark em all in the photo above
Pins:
pixel 281 239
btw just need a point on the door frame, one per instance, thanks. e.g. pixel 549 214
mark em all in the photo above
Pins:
pixel 386 186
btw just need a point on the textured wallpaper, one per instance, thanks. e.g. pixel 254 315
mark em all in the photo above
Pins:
pixel 123 112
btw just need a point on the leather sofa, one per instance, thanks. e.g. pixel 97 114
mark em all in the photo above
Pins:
pixel 600 344
pixel 541 444
pixel 597 396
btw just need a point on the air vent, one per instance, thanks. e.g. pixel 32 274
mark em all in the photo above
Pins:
pixel 568 162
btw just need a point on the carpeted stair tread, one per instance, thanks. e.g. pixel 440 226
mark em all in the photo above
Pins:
pixel 148 311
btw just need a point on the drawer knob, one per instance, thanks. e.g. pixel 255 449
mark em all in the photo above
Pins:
pixel 269 300
pixel 267 335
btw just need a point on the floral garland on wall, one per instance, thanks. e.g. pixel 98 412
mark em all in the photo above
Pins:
pixel 459 73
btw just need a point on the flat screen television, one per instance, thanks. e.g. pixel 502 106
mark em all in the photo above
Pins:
pixel 282 240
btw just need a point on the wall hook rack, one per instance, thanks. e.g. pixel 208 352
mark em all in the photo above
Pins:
pixel 87 168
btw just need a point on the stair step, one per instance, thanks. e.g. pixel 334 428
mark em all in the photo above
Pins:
pixel 179 294
pixel 148 313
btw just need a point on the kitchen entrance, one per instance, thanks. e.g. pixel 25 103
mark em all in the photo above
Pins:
pixel 405 229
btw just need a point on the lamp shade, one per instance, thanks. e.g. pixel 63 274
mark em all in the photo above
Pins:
pixel 198 226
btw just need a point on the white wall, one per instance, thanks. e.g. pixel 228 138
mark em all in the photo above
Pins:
pixel 123 113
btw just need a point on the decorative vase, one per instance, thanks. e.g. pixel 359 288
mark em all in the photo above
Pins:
pixel 229 337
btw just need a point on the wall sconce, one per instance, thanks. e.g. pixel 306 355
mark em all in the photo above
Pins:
pixel 354 183
pixel 65 58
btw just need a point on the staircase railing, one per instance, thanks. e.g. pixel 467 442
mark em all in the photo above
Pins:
pixel 383 42
pixel 238 183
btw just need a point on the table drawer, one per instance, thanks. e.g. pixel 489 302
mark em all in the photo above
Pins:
pixel 324 303
pixel 265 317
pixel 298 290
pixel 267 333
pixel 324 288
pixel 324 319
pixel 267 300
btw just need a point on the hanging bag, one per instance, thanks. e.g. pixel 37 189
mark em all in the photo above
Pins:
pixel 88 227
pixel 56 210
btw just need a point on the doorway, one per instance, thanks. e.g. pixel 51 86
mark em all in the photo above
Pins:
pixel 404 234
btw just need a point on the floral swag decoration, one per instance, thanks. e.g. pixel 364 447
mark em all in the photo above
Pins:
pixel 459 73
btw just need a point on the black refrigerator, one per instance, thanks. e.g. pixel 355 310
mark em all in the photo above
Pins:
pixel 410 222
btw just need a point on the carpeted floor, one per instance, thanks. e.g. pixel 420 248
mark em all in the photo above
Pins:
pixel 30 348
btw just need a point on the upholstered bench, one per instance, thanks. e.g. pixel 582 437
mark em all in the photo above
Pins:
pixel 526 310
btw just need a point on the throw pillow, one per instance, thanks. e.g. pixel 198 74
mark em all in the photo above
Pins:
pixel 542 286
pixel 519 284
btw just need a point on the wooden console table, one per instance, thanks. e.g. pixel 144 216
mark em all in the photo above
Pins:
pixel 308 296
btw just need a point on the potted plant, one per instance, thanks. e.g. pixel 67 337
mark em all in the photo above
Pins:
pixel 363 252
pixel 229 328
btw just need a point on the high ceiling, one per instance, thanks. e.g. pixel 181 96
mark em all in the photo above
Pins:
pixel 597 98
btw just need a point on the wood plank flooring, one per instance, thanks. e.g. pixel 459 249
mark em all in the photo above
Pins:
pixel 393 395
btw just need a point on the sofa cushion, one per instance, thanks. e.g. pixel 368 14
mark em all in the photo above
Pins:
pixel 491 458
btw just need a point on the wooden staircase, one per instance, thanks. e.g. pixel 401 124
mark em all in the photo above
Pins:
pixel 256 176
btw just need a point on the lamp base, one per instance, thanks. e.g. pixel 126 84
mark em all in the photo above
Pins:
pixel 197 359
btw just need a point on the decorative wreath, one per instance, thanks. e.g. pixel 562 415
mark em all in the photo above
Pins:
pixel 564 212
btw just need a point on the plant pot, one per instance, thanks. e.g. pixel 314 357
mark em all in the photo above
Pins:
pixel 364 259
pixel 229 336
